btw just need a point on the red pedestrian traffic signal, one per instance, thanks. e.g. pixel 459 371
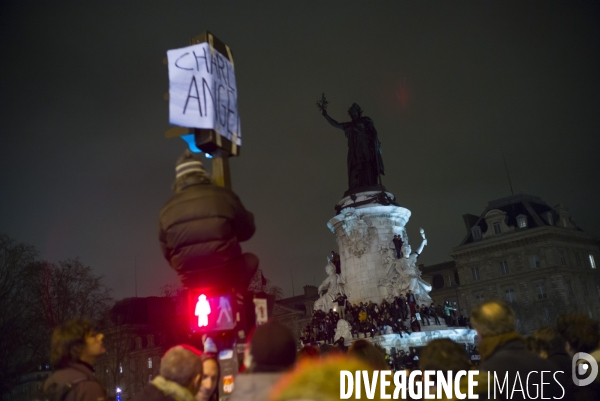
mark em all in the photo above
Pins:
pixel 202 311
pixel 212 311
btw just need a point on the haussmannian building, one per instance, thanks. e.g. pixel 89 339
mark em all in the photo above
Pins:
pixel 142 330
pixel 530 254
pixel 296 312
pixel 444 280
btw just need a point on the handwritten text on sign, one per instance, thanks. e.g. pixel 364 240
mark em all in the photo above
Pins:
pixel 202 91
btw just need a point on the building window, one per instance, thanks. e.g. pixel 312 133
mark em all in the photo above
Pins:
pixel 504 267
pixel 476 231
pixel 149 363
pixel 541 291
pixel 138 343
pixel 497 228
pixel 475 273
pixel 534 261
pixel 449 280
pixel 546 316
pixel 149 378
pixel 150 340
pixel 479 297
pixel 510 295
pixel 561 257
pixel 522 221
pixel 592 261
pixel 550 218
pixel 585 289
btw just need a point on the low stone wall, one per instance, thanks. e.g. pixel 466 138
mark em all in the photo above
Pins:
pixel 420 338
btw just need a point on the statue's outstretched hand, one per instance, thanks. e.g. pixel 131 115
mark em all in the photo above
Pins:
pixel 322 103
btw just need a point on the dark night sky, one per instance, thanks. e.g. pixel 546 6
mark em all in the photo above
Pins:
pixel 85 169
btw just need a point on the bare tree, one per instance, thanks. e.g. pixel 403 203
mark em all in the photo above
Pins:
pixel 273 290
pixel 15 354
pixel 119 339
pixel 64 291
pixel 171 291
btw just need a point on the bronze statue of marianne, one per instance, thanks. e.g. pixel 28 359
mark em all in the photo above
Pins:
pixel 365 164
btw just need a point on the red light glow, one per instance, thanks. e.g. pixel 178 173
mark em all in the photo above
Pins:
pixel 202 311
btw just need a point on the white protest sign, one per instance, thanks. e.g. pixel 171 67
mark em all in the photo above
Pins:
pixel 260 309
pixel 202 91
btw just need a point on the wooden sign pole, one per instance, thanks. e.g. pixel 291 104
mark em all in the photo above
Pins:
pixel 210 141
pixel 220 168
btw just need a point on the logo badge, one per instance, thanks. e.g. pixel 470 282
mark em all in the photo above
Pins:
pixel 583 365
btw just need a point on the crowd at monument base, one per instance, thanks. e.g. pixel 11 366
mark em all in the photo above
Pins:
pixel 377 263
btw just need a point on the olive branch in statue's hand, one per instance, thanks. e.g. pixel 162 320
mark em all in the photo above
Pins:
pixel 322 104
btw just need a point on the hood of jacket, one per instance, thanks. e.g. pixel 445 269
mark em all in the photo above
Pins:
pixel 172 389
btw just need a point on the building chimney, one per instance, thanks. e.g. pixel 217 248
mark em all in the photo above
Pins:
pixel 310 290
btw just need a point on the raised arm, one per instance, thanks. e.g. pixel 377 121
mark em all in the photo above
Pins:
pixel 422 243
pixel 331 120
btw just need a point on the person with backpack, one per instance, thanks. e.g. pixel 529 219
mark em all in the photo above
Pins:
pixel 74 348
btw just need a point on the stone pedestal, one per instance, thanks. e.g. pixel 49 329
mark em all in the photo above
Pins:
pixel 421 339
pixel 364 236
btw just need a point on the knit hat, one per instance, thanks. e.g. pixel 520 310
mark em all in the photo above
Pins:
pixel 272 347
pixel 189 163
pixel 210 346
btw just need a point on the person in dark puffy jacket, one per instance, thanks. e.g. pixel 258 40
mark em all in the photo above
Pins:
pixel 74 348
pixel 202 225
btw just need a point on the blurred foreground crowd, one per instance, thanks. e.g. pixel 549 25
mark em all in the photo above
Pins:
pixel 274 370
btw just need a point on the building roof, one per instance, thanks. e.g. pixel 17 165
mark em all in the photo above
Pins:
pixel 298 302
pixel 438 267
pixel 531 206
pixel 148 310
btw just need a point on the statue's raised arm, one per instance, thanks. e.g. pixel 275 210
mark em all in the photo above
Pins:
pixel 423 243
pixel 322 105
pixel 332 121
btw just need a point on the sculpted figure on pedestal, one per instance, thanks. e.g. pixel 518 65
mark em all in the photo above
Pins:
pixel 343 330
pixel 403 274
pixel 365 164
pixel 329 288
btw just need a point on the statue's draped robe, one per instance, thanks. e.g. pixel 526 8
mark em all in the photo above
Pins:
pixel 364 153
pixel 417 285
pixel 333 284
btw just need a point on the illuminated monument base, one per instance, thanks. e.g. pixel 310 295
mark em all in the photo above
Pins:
pixel 422 338
pixel 370 270
pixel 365 230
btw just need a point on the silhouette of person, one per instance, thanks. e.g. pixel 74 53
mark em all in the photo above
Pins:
pixel 202 311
